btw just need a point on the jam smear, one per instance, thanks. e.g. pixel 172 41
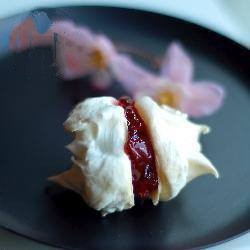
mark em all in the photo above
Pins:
pixel 140 151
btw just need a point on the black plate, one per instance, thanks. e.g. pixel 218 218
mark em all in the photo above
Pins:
pixel 34 103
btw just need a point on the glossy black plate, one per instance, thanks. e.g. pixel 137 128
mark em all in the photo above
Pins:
pixel 34 103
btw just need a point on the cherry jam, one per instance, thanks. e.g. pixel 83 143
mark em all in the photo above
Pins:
pixel 140 151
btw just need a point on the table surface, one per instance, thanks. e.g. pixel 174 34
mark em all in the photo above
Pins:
pixel 228 17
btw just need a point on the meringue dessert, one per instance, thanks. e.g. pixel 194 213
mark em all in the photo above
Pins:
pixel 124 149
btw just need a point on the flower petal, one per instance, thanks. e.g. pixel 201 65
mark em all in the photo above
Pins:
pixel 101 80
pixel 201 98
pixel 75 48
pixel 74 35
pixel 177 65
pixel 71 64
pixel 105 45
pixel 133 78
pixel 25 35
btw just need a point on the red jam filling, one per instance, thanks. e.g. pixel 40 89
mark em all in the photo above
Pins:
pixel 140 151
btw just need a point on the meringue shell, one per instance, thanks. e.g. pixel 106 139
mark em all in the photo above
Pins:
pixel 101 171
pixel 176 145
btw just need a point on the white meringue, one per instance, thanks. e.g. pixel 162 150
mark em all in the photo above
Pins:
pixel 101 171
pixel 176 145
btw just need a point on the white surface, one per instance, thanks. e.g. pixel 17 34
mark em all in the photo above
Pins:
pixel 228 17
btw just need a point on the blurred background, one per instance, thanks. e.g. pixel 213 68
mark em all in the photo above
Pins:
pixel 228 17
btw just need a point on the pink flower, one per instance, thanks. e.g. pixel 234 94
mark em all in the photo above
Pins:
pixel 174 86
pixel 78 51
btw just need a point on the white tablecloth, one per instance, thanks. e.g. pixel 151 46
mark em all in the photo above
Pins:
pixel 228 17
